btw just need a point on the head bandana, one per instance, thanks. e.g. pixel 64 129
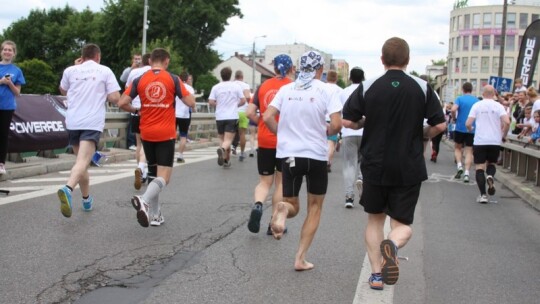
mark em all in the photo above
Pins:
pixel 310 62
pixel 282 63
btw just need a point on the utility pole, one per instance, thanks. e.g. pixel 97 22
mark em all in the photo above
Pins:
pixel 253 63
pixel 503 39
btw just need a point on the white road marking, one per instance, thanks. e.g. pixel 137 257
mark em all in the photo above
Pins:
pixel 97 176
pixel 364 294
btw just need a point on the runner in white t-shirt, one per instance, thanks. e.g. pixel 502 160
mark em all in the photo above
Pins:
pixel 141 172
pixel 183 117
pixel 88 85
pixel 301 143
pixel 226 96
pixel 491 127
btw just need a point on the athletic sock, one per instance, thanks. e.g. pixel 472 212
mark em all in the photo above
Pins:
pixel 151 196
pixel 491 169
pixel 459 165
pixel 466 172
pixel 481 181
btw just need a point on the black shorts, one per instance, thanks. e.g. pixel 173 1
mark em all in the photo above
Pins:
pixel 267 163
pixel 76 136
pixel 227 125
pixel 489 153
pixel 465 139
pixel 399 202
pixel 159 153
pixel 183 126
pixel 293 171
pixel 135 123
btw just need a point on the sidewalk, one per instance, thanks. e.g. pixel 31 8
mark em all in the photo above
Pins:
pixel 34 165
pixel 524 189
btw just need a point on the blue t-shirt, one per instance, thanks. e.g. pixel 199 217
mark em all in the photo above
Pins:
pixel 7 99
pixel 464 103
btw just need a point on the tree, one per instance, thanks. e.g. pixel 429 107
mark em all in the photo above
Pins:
pixel 39 76
pixel 205 83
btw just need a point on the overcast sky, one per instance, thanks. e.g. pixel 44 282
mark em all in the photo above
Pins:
pixel 353 30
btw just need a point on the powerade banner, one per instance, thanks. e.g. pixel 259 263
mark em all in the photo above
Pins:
pixel 528 53
pixel 38 124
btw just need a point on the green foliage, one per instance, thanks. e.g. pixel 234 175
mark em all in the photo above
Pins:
pixel 205 83
pixel 39 76
pixel 175 65
pixel 341 83
pixel 440 62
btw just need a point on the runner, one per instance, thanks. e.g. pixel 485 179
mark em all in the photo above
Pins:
pixel 183 117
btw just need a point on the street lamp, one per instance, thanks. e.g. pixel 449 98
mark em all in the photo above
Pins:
pixel 253 62
pixel 145 26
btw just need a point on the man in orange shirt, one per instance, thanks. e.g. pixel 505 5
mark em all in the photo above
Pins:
pixel 269 166
pixel 157 90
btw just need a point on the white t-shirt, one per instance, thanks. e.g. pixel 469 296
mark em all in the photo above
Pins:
pixel 488 115
pixel 87 86
pixel 244 86
pixel 227 95
pixel 302 123
pixel 136 102
pixel 343 98
pixel 182 111
pixel 334 91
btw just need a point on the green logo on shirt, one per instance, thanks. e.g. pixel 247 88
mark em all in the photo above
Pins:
pixel 395 84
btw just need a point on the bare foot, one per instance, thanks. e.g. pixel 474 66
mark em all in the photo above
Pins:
pixel 278 220
pixel 303 265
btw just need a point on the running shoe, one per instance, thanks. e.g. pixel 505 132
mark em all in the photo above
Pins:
pixel 254 224
pixel 390 268
pixel 220 159
pixel 466 178
pixel 242 156
pixel 157 220
pixel 87 204
pixel 138 179
pixel 482 199
pixel 251 153
pixel 226 164
pixel 459 172
pixel 2 169
pixel 142 210
pixel 349 201
pixel 64 194
pixel 233 150
pixel 376 281
pixel 180 160
pixel 491 186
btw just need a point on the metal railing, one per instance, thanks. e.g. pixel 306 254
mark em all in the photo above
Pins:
pixel 522 159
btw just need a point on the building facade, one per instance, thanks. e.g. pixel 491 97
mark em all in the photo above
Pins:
pixel 475 45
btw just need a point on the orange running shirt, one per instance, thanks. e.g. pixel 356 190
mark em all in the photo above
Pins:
pixel 157 91
pixel 262 98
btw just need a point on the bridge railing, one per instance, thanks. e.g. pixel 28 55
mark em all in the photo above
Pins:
pixel 522 159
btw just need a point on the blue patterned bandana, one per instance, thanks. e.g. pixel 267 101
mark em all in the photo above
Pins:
pixel 310 62
pixel 282 63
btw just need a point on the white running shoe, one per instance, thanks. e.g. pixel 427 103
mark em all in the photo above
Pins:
pixel 482 199
pixel 2 169
pixel 142 210
pixel 157 220
pixel 359 185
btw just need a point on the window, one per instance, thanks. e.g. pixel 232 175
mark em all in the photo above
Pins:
pixel 484 65
pixel 454 24
pixel 458 43
pixel 487 20
pixel 474 83
pixel 467 24
pixel 474 65
pixel 483 82
pixel 459 22
pixel 456 66
pixel 535 17
pixel 523 20
pixel 498 20
pixel 466 43
pixel 509 64
pixel 510 43
pixel 486 42
pixel 495 66
pixel 497 42
pixel 476 21
pixel 465 65
pixel 475 43
pixel 511 20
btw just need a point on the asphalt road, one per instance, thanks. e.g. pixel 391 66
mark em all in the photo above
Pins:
pixel 461 251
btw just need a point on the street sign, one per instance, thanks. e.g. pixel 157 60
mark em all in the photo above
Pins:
pixel 501 84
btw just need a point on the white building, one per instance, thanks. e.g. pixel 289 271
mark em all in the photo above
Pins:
pixel 475 44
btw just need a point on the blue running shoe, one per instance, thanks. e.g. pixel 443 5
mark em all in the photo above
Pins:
pixel 64 194
pixel 87 203
pixel 376 281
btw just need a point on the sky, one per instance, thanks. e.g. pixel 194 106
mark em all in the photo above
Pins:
pixel 353 30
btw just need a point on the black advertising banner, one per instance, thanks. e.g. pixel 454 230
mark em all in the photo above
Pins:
pixel 528 53
pixel 38 124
